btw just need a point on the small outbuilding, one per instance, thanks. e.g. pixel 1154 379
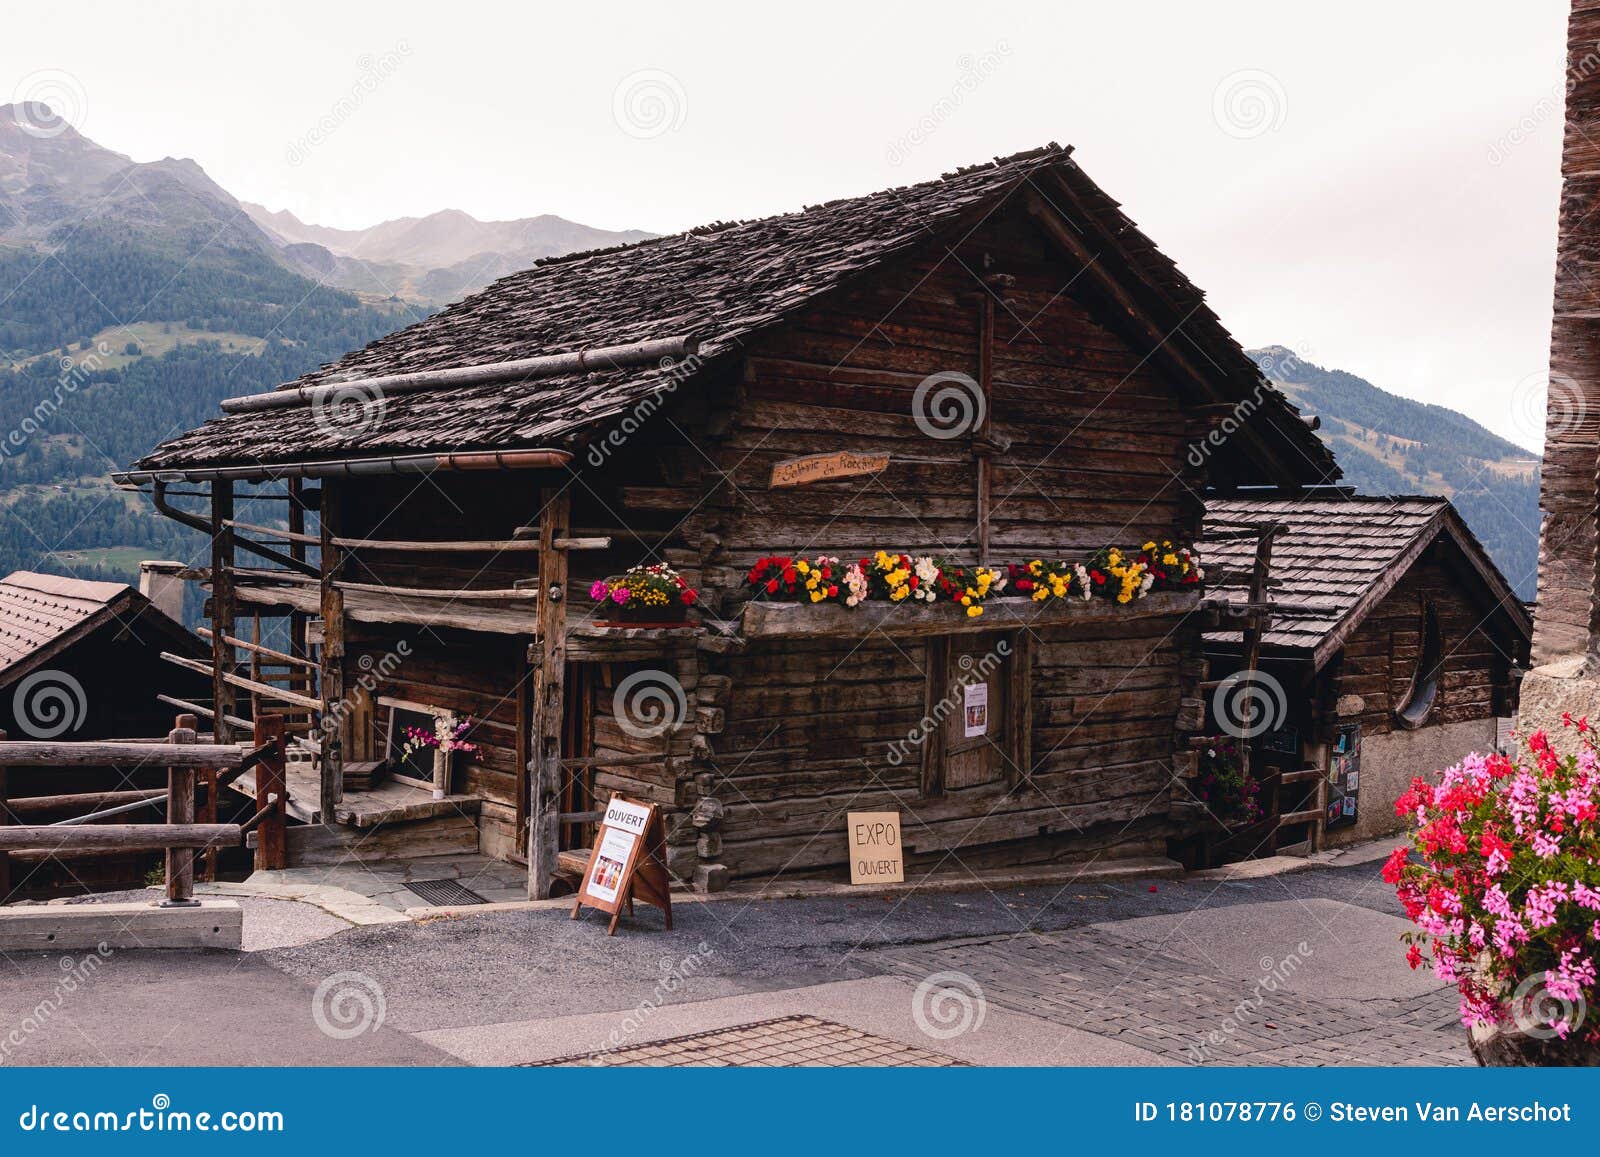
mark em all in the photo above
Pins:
pixel 82 660
pixel 1395 649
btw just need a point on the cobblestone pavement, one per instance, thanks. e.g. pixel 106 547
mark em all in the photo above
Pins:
pixel 782 1042
pixel 1175 1005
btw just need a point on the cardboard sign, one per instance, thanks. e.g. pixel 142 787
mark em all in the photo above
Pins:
pixel 975 710
pixel 628 861
pixel 820 467
pixel 876 856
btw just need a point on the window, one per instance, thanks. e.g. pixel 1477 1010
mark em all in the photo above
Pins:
pixel 1417 703
pixel 978 715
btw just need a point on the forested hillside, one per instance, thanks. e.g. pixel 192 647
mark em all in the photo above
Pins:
pixel 1392 445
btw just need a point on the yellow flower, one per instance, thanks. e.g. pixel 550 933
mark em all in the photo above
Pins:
pixel 803 566
pixel 1035 567
pixel 899 593
pixel 812 583
pixel 1148 546
pixel 966 600
pixel 1124 597
pixel 1039 593
pixel 1169 559
pixel 816 596
pixel 974 612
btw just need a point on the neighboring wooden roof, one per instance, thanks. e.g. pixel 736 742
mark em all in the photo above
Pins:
pixel 723 283
pixel 1337 558
pixel 43 614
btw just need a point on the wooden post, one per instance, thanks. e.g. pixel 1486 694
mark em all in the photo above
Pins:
pixel 180 810
pixel 206 780
pixel 271 842
pixel 981 443
pixel 1259 574
pixel 544 812
pixel 5 818
pixel 331 759
pixel 221 609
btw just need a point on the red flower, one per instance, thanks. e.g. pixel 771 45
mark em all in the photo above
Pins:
pixel 1395 864
pixel 1414 956
pixel 833 591
pixel 1099 579
pixel 772 586
pixel 689 597
pixel 789 574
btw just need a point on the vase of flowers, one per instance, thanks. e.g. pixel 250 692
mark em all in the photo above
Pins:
pixel 448 739
pixel 1501 875
pixel 655 593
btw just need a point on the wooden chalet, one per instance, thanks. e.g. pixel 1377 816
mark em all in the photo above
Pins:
pixel 1395 649
pixel 448 494
pixel 81 660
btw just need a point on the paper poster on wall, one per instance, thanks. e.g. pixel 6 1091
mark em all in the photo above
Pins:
pixel 975 704
pixel 605 878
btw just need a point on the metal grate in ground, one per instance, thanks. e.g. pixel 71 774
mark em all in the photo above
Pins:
pixel 784 1042
pixel 444 893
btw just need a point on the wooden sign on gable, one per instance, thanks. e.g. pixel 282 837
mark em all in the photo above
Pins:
pixel 628 861
pixel 821 467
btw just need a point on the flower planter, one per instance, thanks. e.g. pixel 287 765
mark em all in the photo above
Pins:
pixel 1507 1046
pixel 671 615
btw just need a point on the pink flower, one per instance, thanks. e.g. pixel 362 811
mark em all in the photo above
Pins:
pixel 599 590
pixel 619 595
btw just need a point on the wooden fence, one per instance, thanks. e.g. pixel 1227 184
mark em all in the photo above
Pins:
pixel 191 830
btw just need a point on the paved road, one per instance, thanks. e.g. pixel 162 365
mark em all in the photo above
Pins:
pixel 1304 968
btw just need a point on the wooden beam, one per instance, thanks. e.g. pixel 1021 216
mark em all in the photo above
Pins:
pixel 221 608
pixel 544 748
pixel 118 753
pixel 272 796
pixel 331 763
pixel 464 546
pixel 264 652
pixel 197 709
pixel 118 837
pixel 293 536
pixel 180 813
pixel 265 690
pixel 452 593
pixel 44 804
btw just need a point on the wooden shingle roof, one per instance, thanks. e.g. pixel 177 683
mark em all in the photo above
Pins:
pixel 721 284
pixel 42 614
pixel 1336 558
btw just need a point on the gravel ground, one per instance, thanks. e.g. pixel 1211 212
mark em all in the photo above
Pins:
pixel 517 965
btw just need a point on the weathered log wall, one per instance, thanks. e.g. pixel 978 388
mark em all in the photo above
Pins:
pixel 1381 655
pixel 1564 623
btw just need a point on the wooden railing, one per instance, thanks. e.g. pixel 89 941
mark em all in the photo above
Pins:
pixel 188 831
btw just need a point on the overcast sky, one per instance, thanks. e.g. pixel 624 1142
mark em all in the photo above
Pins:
pixel 1372 184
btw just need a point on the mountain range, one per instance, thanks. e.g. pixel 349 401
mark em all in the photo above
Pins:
pixel 137 295
pixel 1388 444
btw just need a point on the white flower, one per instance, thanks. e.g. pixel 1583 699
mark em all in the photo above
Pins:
pixel 1082 574
pixel 1146 583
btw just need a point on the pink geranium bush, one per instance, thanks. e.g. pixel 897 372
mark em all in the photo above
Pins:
pixel 1505 884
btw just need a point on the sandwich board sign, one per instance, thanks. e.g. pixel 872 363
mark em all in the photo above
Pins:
pixel 628 861
pixel 876 855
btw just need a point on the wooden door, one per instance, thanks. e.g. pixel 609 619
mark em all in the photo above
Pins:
pixel 975 739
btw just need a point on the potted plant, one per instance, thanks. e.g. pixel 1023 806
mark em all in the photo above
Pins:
pixel 1501 875
pixel 654 593
pixel 449 736
pixel 1221 783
